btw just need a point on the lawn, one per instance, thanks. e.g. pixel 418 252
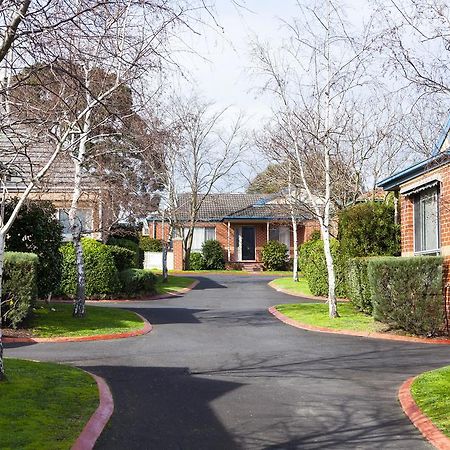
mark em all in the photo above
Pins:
pixel 173 284
pixel 234 272
pixel 431 391
pixel 316 314
pixel 44 405
pixel 300 287
pixel 56 320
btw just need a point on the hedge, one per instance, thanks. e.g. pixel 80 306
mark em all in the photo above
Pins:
pixel 275 256
pixel 19 286
pixel 130 245
pixel 102 278
pixel 148 244
pixel 212 253
pixel 196 261
pixel 123 257
pixel 407 293
pixel 138 281
pixel 358 286
pixel 312 264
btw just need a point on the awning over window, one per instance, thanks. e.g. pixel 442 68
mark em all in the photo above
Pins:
pixel 412 190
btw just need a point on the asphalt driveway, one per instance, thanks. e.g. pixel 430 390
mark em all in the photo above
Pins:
pixel 219 372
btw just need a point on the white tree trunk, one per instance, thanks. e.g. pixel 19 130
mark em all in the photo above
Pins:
pixel 2 258
pixel 295 262
pixel 332 303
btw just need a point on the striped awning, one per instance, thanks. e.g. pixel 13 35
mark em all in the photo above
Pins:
pixel 412 190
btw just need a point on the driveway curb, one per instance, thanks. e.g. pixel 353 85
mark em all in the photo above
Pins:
pixel 419 419
pixel 384 336
pixel 96 424
pixel 297 294
pixel 99 337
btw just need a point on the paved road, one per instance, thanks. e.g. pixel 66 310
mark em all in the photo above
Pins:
pixel 219 372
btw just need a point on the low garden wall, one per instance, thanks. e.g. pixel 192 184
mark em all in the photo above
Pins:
pixel 153 260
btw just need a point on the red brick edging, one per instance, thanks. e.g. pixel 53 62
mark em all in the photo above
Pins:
pixel 92 430
pixel 419 419
pixel 298 294
pixel 99 337
pixel 374 335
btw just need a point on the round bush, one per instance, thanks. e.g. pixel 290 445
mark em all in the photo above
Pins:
pixel 123 257
pixel 196 261
pixel 130 245
pixel 102 277
pixel 275 256
pixel 148 244
pixel 213 255
pixel 137 281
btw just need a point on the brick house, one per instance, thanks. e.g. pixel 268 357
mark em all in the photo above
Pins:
pixel 242 223
pixel 423 191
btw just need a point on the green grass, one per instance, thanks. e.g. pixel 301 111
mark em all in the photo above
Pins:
pixel 431 391
pixel 173 284
pixel 300 287
pixel 233 272
pixel 56 320
pixel 316 314
pixel 44 405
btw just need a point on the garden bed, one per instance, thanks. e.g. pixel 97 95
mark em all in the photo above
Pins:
pixel 44 405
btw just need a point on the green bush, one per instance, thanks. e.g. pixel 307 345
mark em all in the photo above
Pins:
pixel 138 281
pixel 123 257
pixel 358 285
pixel 36 230
pixel 407 293
pixel 130 245
pixel 275 256
pixel 102 278
pixel 368 229
pixel 212 253
pixel 196 261
pixel 312 264
pixel 19 286
pixel 148 244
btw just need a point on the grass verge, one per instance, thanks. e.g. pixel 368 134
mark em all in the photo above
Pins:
pixel 301 287
pixel 56 320
pixel 173 284
pixel 431 392
pixel 316 314
pixel 233 272
pixel 44 405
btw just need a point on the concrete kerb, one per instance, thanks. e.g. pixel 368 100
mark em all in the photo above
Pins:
pixel 96 424
pixel 386 336
pixel 99 337
pixel 419 419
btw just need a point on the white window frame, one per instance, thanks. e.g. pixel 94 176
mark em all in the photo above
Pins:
pixel 278 228
pixel 194 250
pixel 68 236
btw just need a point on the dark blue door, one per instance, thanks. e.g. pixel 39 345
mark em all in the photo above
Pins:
pixel 248 243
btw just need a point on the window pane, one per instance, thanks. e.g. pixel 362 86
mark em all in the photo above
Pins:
pixel 210 233
pixel 198 239
pixel 430 221
pixel 274 234
pixel 417 224
pixel 64 221
pixel 285 236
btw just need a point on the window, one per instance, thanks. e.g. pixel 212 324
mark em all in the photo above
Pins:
pixel 426 221
pixel 145 228
pixel 280 234
pixel 201 234
pixel 84 215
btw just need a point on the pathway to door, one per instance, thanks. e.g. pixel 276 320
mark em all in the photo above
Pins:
pixel 219 372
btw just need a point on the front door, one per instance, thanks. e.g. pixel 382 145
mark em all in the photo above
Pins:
pixel 248 243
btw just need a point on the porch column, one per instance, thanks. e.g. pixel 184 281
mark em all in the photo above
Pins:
pixel 268 231
pixel 228 241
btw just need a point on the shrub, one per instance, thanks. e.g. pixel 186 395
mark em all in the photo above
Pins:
pixel 212 253
pixel 368 229
pixel 275 256
pixel 148 244
pixel 407 293
pixel 123 257
pixel 196 261
pixel 130 245
pixel 102 277
pixel 138 281
pixel 36 230
pixel 358 286
pixel 313 266
pixel 19 286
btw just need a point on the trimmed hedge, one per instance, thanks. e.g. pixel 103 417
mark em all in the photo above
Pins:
pixel 19 286
pixel 407 293
pixel 196 261
pixel 148 244
pixel 138 281
pixel 212 253
pixel 358 286
pixel 312 264
pixel 102 277
pixel 130 245
pixel 275 256
pixel 123 257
